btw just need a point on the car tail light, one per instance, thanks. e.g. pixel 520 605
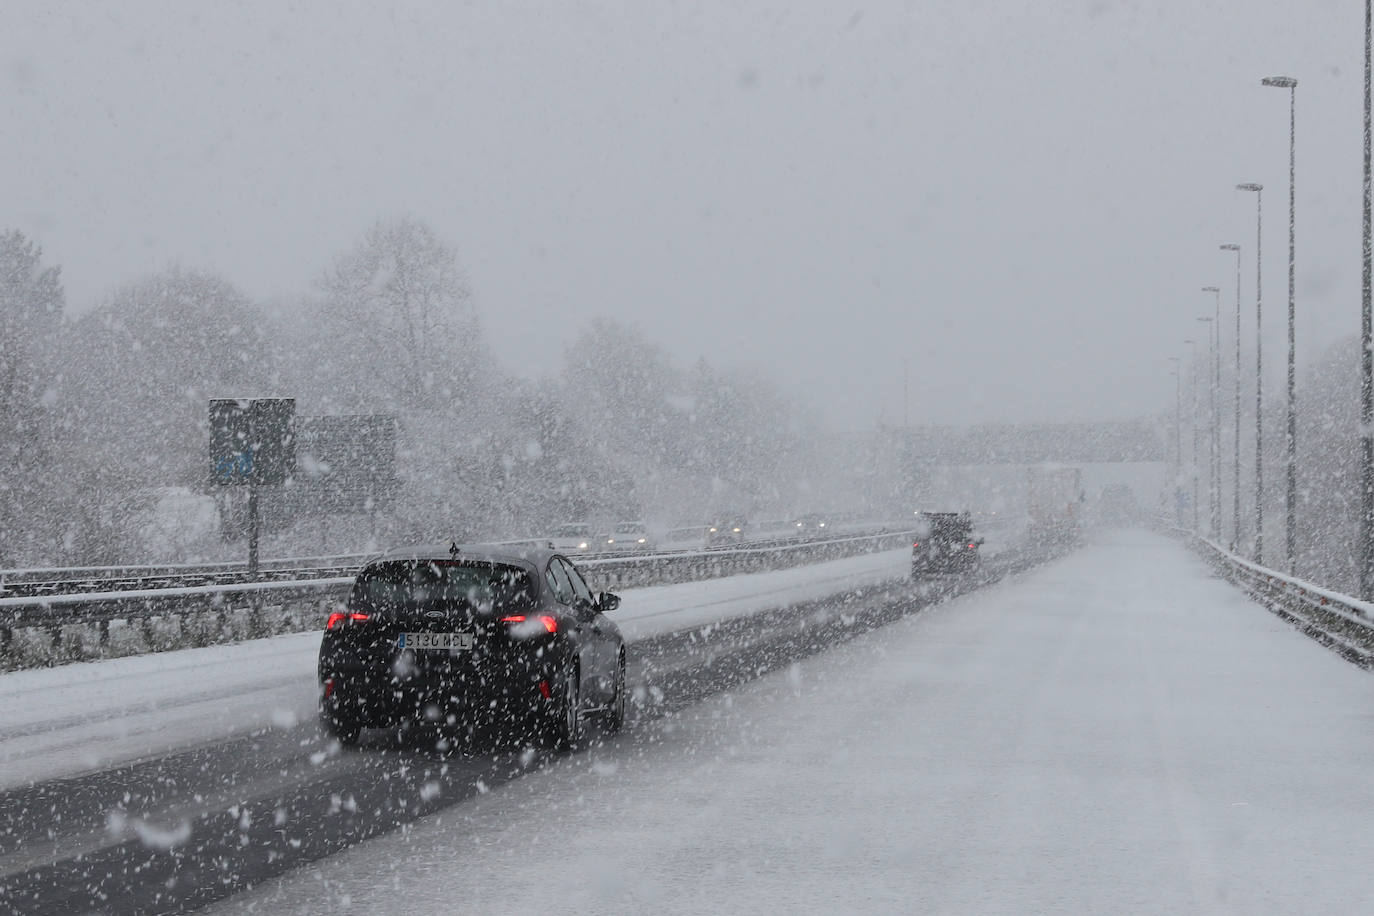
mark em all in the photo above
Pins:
pixel 342 616
pixel 544 690
pixel 973 547
pixel 550 623
pixel 328 687
pixel 917 544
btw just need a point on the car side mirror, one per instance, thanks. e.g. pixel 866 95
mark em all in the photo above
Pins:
pixel 606 602
pixel 979 542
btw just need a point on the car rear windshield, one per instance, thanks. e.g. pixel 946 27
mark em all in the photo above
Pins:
pixel 484 588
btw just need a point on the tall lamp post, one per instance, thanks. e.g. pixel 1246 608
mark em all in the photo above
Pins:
pixel 1291 499
pixel 906 394
pixel 1207 374
pixel 1177 373
pixel 1215 440
pixel 1366 357
pixel 1192 426
pixel 1235 521
pixel 1259 367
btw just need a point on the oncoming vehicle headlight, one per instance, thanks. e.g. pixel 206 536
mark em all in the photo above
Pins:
pixel 582 546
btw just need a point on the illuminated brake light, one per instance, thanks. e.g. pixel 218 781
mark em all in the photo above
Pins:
pixel 550 623
pixel 973 547
pixel 341 616
pixel 917 544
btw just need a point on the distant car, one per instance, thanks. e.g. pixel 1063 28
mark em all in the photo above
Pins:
pixel 575 538
pixel 729 531
pixel 946 545
pixel 475 637
pixel 812 525
pixel 630 536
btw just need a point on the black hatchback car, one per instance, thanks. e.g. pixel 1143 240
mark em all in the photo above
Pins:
pixel 946 546
pixel 473 637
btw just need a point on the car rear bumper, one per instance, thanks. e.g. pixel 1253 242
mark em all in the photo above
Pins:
pixel 369 697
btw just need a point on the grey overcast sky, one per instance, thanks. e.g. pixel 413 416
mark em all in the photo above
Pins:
pixel 1022 198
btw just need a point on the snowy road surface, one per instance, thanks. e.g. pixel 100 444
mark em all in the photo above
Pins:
pixel 1115 732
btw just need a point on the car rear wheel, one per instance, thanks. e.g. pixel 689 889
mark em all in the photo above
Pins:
pixel 616 720
pixel 567 726
pixel 341 727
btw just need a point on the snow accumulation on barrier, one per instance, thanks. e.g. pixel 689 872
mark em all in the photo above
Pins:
pixel 1363 608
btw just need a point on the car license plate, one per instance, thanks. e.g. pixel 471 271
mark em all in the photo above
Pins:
pixel 450 641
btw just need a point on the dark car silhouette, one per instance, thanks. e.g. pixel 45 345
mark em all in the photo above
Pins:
pixel 473 637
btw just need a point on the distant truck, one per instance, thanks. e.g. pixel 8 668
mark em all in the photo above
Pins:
pixel 1054 504
pixel 945 545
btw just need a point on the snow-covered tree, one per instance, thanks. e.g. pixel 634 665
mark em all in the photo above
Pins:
pixel 31 303
pixel 394 328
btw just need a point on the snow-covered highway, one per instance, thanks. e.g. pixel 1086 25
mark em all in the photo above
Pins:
pixel 1116 732
pixel 132 780
pixel 73 719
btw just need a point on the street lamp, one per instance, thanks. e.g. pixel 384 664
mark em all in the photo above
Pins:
pixel 1259 365
pixel 1177 373
pixel 1215 439
pixel 1291 500
pixel 1211 507
pixel 1366 357
pixel 1235 521
pixel 1192 426
pixel 906 395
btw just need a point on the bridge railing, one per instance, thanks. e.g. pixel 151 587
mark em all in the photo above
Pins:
pixel 68 627
pixel 1341 622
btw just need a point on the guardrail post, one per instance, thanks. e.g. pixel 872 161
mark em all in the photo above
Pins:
pixel 256 625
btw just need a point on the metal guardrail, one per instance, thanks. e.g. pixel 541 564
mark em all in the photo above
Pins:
pixel 1340 622
pixel 52 581
pixel 176 616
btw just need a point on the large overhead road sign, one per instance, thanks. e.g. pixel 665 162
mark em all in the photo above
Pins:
pixel 346 465
pixel 252 441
